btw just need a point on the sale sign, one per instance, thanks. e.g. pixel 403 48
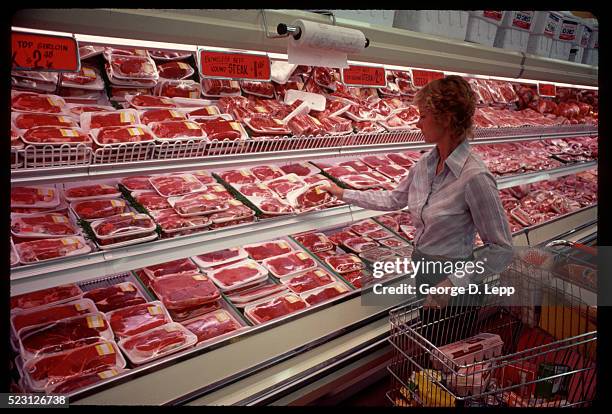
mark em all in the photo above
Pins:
pixel 421 78
pixel 364 76
pixel 547 89
pixel 33 51
pixel 234 65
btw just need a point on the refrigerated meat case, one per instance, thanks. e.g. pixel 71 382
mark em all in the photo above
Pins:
pixel 322 350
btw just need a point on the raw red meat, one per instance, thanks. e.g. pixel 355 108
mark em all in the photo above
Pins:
pixel 275 206
pixel 568 110
pixel 159 115
pixel 48 296
pixel 262 251
pixel 175 70
pixel 221 129
pixel 150 101
pixel 152 201
pixel 315 242
pixel 367 127
pixel 170 221
pixel 175 185
pixel 378 234
pixel 84 76
pixel 65 334
pixel 31 195
pixel 354 278
pixel 236 211
pixel 182 291
pixel 137 183
pixel 309 280
pixel 334 125
pixel 123 134
pixel 481 90
pixel 393 243
pixel 56 135
pixel 136 67
pixel 326 254
pixel 120 224
pixel 135 319
pixel 199 203
pixel 301 170
pixel 277 307
pixel 177 130
pixel 356 165
pixel 400 160
pixel 376 176
pixel 522 216
pixel 175 267
pixel 95 209
pixel 91 191
pixel 360 181
pixel 258 88
pixel 265 172
pixel 179 315
pixel 325 294
pixel 220 256
pixel 212 325
pixel 29 120
pixel 106 119
pixel 42 316
pixel 313 197
pixel 179 88
pixel 359 244
pixel 284 185
pixel 393 171
pixel 266 124
pixel 339 237
pixel 34 102
pixel 53 368
pixel 256 190
pixel 340 171
pixel 289 263
pixel 81 381
pixel 507 91
pixel 238 177
pixel 230 223
pixel 237 275
pixel 44 249
pixel 156 343
pixel 389 222
pixel 344 263
pixel 43 225
pixel 305 125
pixel 115 297
pixel 409 115
pixel 216 87
pixel 317 178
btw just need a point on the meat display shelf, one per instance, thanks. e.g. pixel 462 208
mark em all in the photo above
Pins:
pixel 49 165
pixel 534 177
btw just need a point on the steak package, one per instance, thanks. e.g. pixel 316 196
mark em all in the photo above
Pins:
pixel 133 67
pixel 359 244
pixel 302 170
pixel 115 297
pixel 222 129
pixel 394 243
pixel 142 101
pixel 90 192
pixel 94 120
pixel 171 222
pixel 236 212
pixel 157 343
pixel 395 172
pixel 178 89
pixel 160 115
pixel 176 185
pixel 177 130
pixel 220 257
pixel 151 200
pixel 315 242
pixel 364 227
pixel 45 225
pixel 379 234
pixel 212 325
pixel 35 102
pixel 96 209
pixel 14 255
pixel 217 88
pixel 174 267
pixel 263 89
pixel 76 110
pixel 241 274
pixel 47 370
pixel 81 381
pixel 185 291
pixel 308 280
pixel 27 120
pixel 360 182
pixel 324 293
pixel 289 264
pixel 135 319
pixel 198 203
pixel 37 197
pixel 87 78
pixel 268 309
pixel 272 206
pixel 183 314
pixel 267 172
pixel 345 263
pixel 122 225
pixel 243 297
pixel 46 249
pixel 175 70
pixel 310 197
pixel 262 251
pixel 255 190
pixel 41 315
pixel 55 135
pixel 285 185
pixel 265 124
pixel 114 135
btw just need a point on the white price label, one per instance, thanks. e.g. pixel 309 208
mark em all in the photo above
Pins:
pixel 105 349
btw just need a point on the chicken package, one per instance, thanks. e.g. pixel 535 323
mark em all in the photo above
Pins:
pixel 301 170
pixel 78 382
pixel 157 343
pixel 36 197
pixel 217 88
pixel 309 197
pixel 122 225
pixel 35 102
pixel 91 192
pixel 359 244
pixel 198 203
pixel 289 264
pixel 315 242
pixel 255 190
pixel 133 67
pixel 36 251
pixel 27 120
pixel 212 325
pixel 325 293
pixel 262 251
pixel 46 225
pixel 115 297
pixel 45 297
pixel 135 319
pixel 63 335
pixel 175 70
pixel 284 185
pixel 241 274
pixel 263 89
pixel 96 209
pixel 178 89
pixel 47 370
pixel 171 222
pixel 236 211
pixel 269 309
pixel 265 124
pixel 220 257
pixel 183 267
pixel 185 291
pixel 94 120
pixel 345 263
pixel 88 77
pixel 176 185
pixel 273 206
pixel 308 280
pixel 54 135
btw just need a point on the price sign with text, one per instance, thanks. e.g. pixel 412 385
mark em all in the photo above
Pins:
pixel 32 51
pixel 234 65
pixel 421 78
pixel 547 89
pixel 369 76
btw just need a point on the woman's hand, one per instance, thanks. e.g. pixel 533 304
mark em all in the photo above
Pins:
pixel 333 189
pixel 438 301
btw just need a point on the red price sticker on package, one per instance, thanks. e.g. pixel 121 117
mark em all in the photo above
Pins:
pixel 547 89
pixel 31 51
pixel 421 78
pixel 234 65
pixel 370 76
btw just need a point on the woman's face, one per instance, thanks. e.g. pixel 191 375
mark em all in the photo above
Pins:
pixel 433 130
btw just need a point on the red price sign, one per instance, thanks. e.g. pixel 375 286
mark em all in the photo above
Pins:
pixel 547 89
pixel 44 52
pixel 421 78
pixel 233 65
pixel 364 76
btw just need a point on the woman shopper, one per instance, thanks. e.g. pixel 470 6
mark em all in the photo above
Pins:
pixel 449 192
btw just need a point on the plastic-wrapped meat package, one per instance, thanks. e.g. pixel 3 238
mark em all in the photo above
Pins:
pixel 238 177
pixel 204 177
pixel 49 296
pixel 345 263
pixel 256 190
pixel 177 130
pixel 108 51
pixel 361 113
pixel 273 206
pixel 333 108
pixel 77 109
pixel 151 200
pixel 395 123
pixel 185 291
pixel 175 185
pixel 305 125
pixel 220 87
pixel 377 254
pixel 262 251
pixel 183 267
pixel 220 257
pixel 27 120
pixel 135 319
pixel 230 223
pixel 223 130
pixel 183 314
pixel 54 135
pixel 241 274
pixel 354 278
pixel 266 172
pixel 198 203
pixel 393 243
pixel 115 297
pixel 274 308
pixel 133 67
pixel 141 101
pixel 393 171
pixel 389 222
pixel 35 102
pixel 88 77
pixel 91 192
pixel 408 231
pixel 171 222
pixel 308 280
pixel 137 183
pixel 409 114
pixel 167 55
pixel 47 370
pixel 379 106
pixel 326 254
pixel 359 244
pixel 236 211
pixel 93 120
pixel 227 103
pixel 324 293
pixel 35 199
pixel 178 89
pixel 46 249
pixel 290 263
pixel 31 85
pixel 317 179
pixel 42 225
pixel 315 242
pixel 284 185
pixel 481 90
pixel 375 161
pixel 160 115
pixel 265 124
pixel 392 88
pixel 360 182
pixel 367 127
pixel 63 335
pixel 378 234
pixel 122 225
pixel 157 343
pixel 175 70
pixel 339 171
pixel 263 89
pixel 309 197
pixel 339 237
pixel 356 165
pixel 302 169
pixel 335 125
pixel 212 325
pixel 81 381
pixel 325 77
pixel 244 296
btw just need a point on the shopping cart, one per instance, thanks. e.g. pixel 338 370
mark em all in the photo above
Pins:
pixel 539 354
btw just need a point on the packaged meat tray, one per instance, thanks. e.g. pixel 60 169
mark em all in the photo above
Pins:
pixel 243 297
pixel 264 124
pixel 161 115
pixel 54 135
pixel 184 291
pixel 46 225
pixel 37 251
pixel 157 343
pixel 95 120
pixel 171 222
pixel 177 131
pixel 408 231
pixel 238 176
pixel 63 335
pixel 255 190
pixel 178 89
pixel 35 102
pixel 96 209
pixel 176 185
pixel 308 280
pixel 262 251
pixel 198 203
pixel 315 242
pixel 236 212
pixel 359 244
pixel 368 127
pixel 365 226
pixel 141 102
pixel 183 314
pixel 263 89
pixel 44 297
pixel 376 254
pixel 222 130
pixel 395 123
pixel 14 255
pixel 87 78
pixel 183 267
pixel 325 293
pixel 137 183
pixel 151 200
pixel 116 242
pixel 360 182
pixel 356 165
pixel 345 263
pixel 36 197
pixel 339 237
pixel 76 109
pixel 375 161
pixel 289 264
pixel 175 70
pixel 135 319
pixel 47 370
pixel 468 351
pixel 123 225
pixel 75 383
pixel 272 206
pixel 339 171
pixel 27 120
pixel 285 185
pixel 309 197
pixel 206 112
pixel 301 170
pixel 378 234
pixel 212 325
pixel 91 192
pixel 133 67
pixel 395 172
pixel 220 257
pixel 241 274
pixel 115 297
pixel 272 308
pixel 393 243
pixel 218 88
pixel 267 172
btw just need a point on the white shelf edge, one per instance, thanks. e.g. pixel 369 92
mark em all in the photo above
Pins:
pixel 528 178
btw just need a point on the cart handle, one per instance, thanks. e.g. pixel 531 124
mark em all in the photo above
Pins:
pixel 587 249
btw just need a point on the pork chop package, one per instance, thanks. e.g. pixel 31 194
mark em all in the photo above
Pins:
pixel 46 370
pixel 88 77
pixel 212 325
pixel 324 293
pixel 123 225
pixel 40 250
pixel 289 264
pixel 45 225
pixel 116 296
pixel 220 257
pixel 272 308
pixel 135 319
pixel 90 192
pixel 124 117
pixel 241 274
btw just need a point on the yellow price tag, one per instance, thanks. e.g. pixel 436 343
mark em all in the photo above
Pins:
pixel 155 310
pixel 108 373
pixel 302 256
pixel 53 101
pixel 117 203
pixel 126 118
pixel 80 307
pixel 167 101
pixel 193 94
pixel 126 287
pixel 252 266
pixel 209 197
pixel 292 299
pixel 69 133
pixel 176 114
pixel 183 65
pixel 283 245
pixel 90 73
pixel 235 126
pixel 95 321
pixel 199 277
pixel 192 125
pixel 320 273
pixel 63 119
pixel 69 241
pixel 234 203
pixel 135 131
pixel 222 316
pixel 60 219
pixel 105 349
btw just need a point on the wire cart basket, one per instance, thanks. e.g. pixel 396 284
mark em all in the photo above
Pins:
pixel 537 349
